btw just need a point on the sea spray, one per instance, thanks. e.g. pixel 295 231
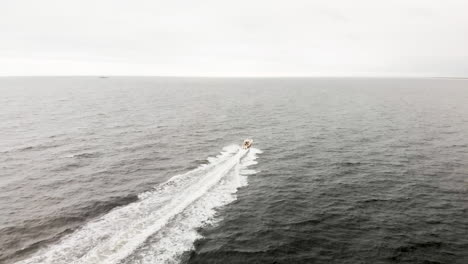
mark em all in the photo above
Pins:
pixel 162 224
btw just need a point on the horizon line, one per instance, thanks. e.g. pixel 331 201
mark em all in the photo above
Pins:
pixel 238 77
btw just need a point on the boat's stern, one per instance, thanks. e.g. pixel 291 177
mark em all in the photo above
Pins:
pixel 247 143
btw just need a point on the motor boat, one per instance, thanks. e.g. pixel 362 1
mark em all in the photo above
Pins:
pixel 247 143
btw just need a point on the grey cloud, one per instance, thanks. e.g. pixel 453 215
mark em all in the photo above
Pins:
pixel 234 38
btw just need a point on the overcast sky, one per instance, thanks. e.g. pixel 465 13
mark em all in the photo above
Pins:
pixel 234 38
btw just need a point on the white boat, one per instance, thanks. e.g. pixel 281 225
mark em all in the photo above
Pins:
pixel 247 143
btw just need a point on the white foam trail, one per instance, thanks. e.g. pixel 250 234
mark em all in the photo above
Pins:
pixel 161 225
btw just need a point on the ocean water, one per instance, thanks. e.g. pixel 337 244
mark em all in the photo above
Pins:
pixel 149 170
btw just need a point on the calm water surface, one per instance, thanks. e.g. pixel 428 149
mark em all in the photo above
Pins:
pixel 343 170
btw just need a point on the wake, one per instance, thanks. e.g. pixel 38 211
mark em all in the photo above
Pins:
pixel 161 226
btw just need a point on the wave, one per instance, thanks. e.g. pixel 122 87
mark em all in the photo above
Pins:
pixel 162 224
pixel 83 155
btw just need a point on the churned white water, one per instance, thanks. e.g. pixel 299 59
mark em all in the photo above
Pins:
pixel 161 225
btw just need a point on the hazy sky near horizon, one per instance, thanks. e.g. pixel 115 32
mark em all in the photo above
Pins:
pixel 234 38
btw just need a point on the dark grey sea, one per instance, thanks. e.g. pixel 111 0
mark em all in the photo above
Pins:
pixel 149 170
